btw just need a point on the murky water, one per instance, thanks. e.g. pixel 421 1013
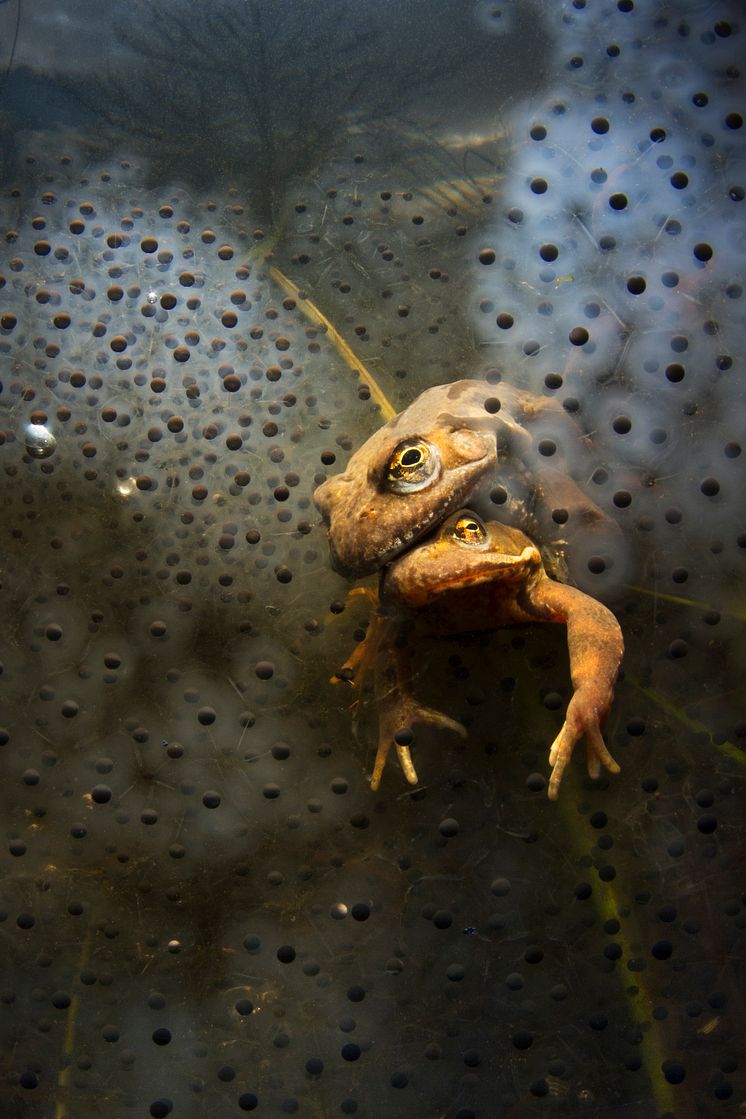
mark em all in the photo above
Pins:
pixel 233 238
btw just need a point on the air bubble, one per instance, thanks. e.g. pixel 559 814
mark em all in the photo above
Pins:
pixel 39 441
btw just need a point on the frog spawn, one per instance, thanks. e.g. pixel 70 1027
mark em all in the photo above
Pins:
pixel 141 866
pixel 611 277
pixel 164 505
pixel 123 375
pixel 594 279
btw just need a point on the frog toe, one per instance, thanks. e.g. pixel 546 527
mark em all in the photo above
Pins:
pixel 560 753
pixel 398 732
pixel 429 717
pixel 598 754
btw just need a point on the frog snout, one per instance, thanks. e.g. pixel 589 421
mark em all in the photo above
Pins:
pixel 323 499
pixel 340 563
pixel 352 556
pixel 329 493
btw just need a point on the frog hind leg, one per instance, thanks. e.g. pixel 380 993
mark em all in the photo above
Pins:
pixel 560 752
pixel 394 729
pixel 362 657
pixel 555 489
pixel 398 711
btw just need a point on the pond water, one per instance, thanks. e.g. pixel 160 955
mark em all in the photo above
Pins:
pixel 236 239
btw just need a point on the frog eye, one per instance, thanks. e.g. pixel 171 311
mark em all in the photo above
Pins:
pixel 468 529
pixel 413 465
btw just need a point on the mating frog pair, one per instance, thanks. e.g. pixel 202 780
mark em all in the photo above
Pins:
pixel 471 573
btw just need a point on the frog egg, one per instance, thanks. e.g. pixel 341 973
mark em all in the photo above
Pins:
pixel 40 442
pixel 494 18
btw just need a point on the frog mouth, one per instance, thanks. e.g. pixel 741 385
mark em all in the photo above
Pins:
pixel 493 569
pixel 374 558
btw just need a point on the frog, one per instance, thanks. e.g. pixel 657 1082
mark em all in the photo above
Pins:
pixel 475 575
pixel 452 447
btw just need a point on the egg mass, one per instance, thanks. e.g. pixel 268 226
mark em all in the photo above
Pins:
pixel 236 242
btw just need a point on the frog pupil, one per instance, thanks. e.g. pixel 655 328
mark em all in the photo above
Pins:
pixel 469 531
pixel 413 465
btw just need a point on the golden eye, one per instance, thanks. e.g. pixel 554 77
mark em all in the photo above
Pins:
pixel 408 458
pixel 412 466
pixel 468 529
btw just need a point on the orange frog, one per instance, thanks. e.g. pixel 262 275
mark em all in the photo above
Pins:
pixel 477 575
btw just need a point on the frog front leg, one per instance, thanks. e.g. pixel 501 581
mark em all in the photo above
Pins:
pixel 398 711
pixel 596 646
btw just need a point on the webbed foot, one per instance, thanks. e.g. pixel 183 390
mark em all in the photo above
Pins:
pixel 585 716
pixel 394 729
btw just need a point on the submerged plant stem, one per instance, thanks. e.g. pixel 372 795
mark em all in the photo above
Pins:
pixel 728 748
pixel 312 312
pixel 639 999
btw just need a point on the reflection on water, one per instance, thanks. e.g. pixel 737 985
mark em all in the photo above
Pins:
pixel 204 906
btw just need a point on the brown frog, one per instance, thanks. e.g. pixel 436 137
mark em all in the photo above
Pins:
pixel 451 447
pixel 476 575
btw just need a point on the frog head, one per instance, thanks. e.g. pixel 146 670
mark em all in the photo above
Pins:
pixel 464 552
pixel 402 482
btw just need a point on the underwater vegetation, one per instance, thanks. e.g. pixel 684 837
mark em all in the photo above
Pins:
pixel 206 308
pixel 244 92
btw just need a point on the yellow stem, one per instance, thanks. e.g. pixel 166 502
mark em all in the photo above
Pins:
pixel 63 1078
pixel 691 724
pixel 312 312
pixel 640 1003
pixel 681 601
